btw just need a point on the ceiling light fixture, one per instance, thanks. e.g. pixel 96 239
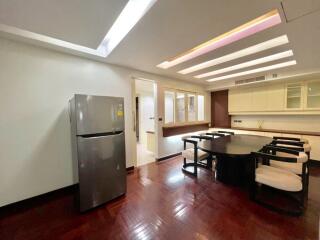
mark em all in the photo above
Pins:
pixel 254 62
pixel 257 70
pixel 130 15
pixel 259 24
pixel 128 18
pixel 275 42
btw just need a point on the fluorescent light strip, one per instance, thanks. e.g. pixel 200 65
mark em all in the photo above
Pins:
pixel 130 15
pixel 257 70
pixel 254 62
pixel 275 42
pixel 259 24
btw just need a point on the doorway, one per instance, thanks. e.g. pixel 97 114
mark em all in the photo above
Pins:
pixel 145 121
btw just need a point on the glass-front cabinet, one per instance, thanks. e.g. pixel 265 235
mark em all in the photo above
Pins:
pixel 313 95
pixel 303 95
pixel 294 96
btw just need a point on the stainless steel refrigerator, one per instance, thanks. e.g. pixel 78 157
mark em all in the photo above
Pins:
pixel 98 144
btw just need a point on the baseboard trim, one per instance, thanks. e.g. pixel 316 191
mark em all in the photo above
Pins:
pixel 42 198
pixel 129 169
pixel 167 157
pixel 36 200
pixel 314 163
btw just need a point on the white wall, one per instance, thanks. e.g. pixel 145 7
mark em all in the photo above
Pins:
pixel 294 123
pixel 36 85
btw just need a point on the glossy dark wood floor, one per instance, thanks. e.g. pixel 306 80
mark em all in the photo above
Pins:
pixel 163 203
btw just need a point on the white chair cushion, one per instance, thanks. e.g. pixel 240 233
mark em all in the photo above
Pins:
pixel 301 158
pixel 189 154
pixel 292 167
pixel 278 178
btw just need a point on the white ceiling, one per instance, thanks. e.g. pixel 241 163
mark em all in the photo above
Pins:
pixel 172 27
pixel 81 22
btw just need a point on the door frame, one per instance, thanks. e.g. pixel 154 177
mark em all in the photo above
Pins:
pixel 133 97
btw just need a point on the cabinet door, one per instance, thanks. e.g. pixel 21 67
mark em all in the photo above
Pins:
pixel 275 97
pixel 234 97
pixel 312 95
pixel 232 101
pixel 294 96
pixel 259 99
pixel 240 100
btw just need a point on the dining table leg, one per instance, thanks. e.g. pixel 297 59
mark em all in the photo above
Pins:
pixel 232 170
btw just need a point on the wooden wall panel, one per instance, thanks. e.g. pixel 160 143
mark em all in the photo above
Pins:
pixel 176 130
pixel 219 109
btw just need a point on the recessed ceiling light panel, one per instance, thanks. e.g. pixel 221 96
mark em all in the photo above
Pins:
pixel 254 62
pixel 130 15
pixel 272 43
pixel 257 70
pixel 259 24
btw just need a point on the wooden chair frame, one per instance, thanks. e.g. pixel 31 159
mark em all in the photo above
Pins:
pixel 298 148
pixel 266 155
pixel 196 163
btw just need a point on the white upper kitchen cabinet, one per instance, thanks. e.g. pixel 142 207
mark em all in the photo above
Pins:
pixel 312 95
pixel 301 97
pixel 259 98
pixel 294 96
pixel 240 100
pixel 275 97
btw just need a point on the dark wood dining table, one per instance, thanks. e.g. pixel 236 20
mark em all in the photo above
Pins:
pixel 233 155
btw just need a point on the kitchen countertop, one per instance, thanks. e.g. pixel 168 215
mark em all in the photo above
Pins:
pixel 276 131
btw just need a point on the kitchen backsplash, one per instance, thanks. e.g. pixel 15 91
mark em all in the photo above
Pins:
pixel 295 123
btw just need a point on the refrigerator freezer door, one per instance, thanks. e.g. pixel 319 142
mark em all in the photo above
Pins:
pixel 97 114
pixel 102 169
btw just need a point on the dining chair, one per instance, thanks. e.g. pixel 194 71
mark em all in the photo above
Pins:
pixel 215 134
pixel 291 139
pixel 297 168
pixel 195 155
pixel 282 180
pixel 293 144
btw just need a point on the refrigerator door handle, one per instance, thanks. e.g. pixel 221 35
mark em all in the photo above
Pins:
pixel 98 135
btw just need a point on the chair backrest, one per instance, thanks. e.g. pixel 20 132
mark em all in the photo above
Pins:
pixel 281 146
pixel 191 140
pixel 290 139
pixel 267 156
pixel 302 146
pixel 300 155
pixel 226 132
pixel 202 137
pixel 288 142
pixel 215 134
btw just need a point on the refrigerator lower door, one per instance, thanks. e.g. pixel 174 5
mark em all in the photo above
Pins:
pixel 102 169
